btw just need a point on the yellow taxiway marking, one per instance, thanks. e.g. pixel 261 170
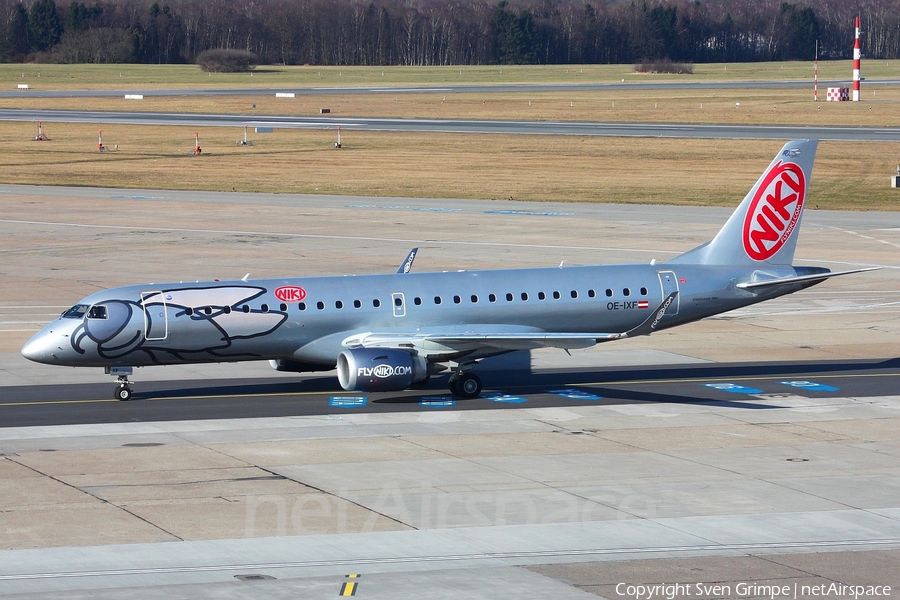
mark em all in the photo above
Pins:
pixel 157 399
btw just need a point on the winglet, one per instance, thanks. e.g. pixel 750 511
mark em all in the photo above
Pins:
pixel 652 322
pixel 407 263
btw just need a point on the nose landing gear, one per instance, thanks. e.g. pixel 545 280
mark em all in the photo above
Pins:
pixel 123 390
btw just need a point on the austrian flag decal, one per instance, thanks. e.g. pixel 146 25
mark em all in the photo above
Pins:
pixel 774 211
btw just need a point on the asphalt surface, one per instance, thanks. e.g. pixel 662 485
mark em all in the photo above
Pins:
pixel 755 386
pixel 667 130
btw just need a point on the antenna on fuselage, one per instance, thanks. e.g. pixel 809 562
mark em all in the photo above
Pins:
pixel 245 277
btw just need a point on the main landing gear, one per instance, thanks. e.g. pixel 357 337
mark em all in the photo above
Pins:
pixel 123 390
pixel 465 385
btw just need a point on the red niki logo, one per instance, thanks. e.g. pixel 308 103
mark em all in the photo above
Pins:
pixel 290 293
pixel 774 211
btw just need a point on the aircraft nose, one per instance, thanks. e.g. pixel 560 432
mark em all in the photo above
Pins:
pixel 35 348
pixel 47 345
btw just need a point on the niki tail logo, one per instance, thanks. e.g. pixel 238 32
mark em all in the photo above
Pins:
pixel 774 211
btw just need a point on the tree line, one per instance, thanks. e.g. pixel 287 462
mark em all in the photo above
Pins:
pixel 438 32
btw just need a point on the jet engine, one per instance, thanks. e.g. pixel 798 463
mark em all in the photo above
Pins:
pixel 379 369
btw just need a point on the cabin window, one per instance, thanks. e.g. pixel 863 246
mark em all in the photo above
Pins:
pixel 227 309
pixel 524 296
pixel 456 299
pixel 189 311
pixel 398 301
pixel 283 307
pixel 609 293
pixel 437 299
pixel 302 306
pixel 76 312
pixel 542 296
pixel 626 292
pixel 556 295
pixel 208 309
pixel 492 297
pixel 376 303
pixel 509 297
pixel 246 308
pixel 339 305
pixel 474 298
pixel 643 291
pixel 264 308
pixel 417 301
pixel 98 311
pixel 320 305
pixel 591 293
pixel 574 293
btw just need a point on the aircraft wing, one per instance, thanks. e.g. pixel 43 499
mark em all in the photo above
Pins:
pixel 498 337
pixel 814 278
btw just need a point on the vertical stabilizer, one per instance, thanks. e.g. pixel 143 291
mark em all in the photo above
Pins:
pixel 764 228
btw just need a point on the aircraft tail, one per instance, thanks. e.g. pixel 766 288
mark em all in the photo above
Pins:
pixel 764 228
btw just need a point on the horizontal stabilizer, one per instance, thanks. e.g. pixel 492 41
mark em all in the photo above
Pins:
pixel 815 278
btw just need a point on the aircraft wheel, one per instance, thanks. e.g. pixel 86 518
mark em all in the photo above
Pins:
pixel 452 385
pixel 123 393
pixel 467 386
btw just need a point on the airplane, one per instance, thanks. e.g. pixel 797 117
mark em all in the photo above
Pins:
pixel 390 332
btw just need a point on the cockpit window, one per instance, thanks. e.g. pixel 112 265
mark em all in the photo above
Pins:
pixel 76 312
pixel 98 311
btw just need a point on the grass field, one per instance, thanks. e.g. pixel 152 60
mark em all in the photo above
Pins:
pixel 543 168
pixel 46 76
pixel 757 106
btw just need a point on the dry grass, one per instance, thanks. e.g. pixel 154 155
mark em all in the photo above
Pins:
pixel 791 106
pixel 541 168
pixel 86 76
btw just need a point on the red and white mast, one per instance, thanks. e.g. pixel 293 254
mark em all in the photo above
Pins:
pixel 816 75
pixel 856 63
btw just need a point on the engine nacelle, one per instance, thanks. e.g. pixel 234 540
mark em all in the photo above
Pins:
pixel 296 366
pixel 379 369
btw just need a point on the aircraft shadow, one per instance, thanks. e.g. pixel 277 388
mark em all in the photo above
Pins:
pixel 522 382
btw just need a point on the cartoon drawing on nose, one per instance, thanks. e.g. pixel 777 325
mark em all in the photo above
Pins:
pixel 219 316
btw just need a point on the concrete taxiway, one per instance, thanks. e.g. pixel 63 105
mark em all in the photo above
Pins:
pixel 483 126
pixel 752 482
